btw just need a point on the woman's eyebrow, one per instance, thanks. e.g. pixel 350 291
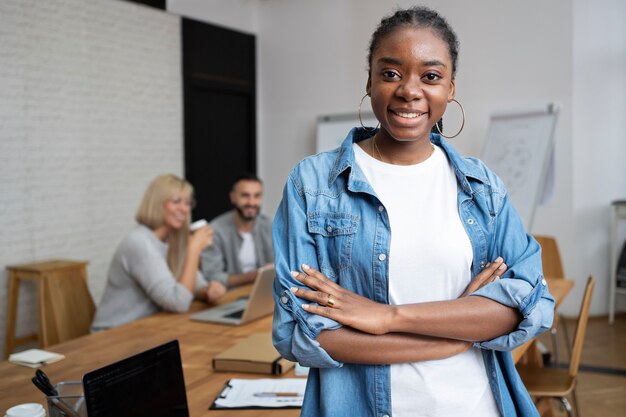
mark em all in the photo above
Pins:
pixel 434 63
pixel 390 60
pixel 396 61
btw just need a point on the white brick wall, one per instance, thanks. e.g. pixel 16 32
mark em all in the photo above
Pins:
pixel 90 112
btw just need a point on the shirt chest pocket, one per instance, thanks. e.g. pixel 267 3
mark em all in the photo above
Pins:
pixel 334 234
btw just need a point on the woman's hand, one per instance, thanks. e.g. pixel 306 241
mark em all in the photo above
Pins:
pixel 361 313
pixel 489 274
pixel 341 305
pixel 214 290
pixel 201 238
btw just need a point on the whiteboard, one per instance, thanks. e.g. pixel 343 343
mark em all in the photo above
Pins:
pixel 518 149
pixel 332 130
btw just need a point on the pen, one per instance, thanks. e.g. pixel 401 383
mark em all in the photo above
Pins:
pixel 51 393
pixel 277 394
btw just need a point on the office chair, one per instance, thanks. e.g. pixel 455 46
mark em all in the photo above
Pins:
pixel 553 268
pixel 555 382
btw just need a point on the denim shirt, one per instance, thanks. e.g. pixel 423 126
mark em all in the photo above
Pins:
pixel 331 219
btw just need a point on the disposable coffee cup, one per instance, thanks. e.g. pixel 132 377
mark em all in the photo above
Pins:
pixel 197 224
pixel 26 410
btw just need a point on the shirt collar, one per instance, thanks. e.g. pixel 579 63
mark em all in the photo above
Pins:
pixel 346 160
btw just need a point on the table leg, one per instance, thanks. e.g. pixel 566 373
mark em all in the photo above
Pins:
pixel 12 296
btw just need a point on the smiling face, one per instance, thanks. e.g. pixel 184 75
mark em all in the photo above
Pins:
pixel 176 210
pixel 246 197
pixel 410 82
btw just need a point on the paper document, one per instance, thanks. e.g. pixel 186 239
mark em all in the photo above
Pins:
pixel 34 358
pixel 264 393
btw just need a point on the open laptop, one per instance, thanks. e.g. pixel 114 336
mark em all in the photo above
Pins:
pixel 150 383
pixel 259 303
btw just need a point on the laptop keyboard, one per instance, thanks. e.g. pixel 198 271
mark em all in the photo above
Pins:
pixel 235 315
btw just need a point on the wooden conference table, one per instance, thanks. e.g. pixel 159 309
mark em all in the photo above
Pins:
pixel 199 342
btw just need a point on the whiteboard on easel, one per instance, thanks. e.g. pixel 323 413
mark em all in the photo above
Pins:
pixel 518 149
pixel 332 130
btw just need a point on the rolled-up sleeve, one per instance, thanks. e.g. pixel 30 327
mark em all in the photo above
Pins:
pixel 294 330
pixel 522 286
pixel 533 301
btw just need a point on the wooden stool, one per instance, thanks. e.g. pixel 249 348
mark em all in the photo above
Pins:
pixel 65 304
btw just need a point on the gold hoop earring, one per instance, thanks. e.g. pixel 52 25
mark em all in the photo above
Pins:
pixel 462 123
pixel 370 129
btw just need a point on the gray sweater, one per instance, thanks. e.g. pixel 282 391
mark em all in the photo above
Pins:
pixel 140 282
pixel 221 259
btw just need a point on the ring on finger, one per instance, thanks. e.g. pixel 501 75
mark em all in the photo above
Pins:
pixel 331 301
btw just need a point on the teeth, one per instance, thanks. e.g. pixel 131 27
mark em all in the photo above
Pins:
pixel 408 115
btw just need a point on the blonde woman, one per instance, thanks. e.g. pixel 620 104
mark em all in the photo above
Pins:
pixel 155 267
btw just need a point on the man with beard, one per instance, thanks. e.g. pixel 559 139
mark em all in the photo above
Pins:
pixel 242 239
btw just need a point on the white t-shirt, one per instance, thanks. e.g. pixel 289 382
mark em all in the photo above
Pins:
pixel 430 259
pixel 247 253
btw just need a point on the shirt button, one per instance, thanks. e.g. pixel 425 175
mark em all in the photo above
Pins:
pixel 284 299
pixel 482 264
pixel 544 282
pixel 470 221
pixel 386 415
pixel 381 208
pixel 493 374
pixel 382 257
pixel 329 229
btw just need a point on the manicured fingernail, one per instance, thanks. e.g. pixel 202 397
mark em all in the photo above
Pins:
pixel 499 259
pixel 294 289
pixel 305 267
pixel 496 278
pixel 295 274
pixel 502 266
pixel 305 306
pixel 488 263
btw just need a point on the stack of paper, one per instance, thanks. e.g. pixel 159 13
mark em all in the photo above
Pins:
pixel 34 358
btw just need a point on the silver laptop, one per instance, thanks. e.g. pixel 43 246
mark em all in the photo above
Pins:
pixel 259 303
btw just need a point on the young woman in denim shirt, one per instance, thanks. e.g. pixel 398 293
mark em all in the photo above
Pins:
pixel 391 282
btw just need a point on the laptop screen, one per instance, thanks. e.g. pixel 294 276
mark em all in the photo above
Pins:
pixel 150 383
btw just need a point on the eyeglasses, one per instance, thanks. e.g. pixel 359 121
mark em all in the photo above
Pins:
pixel 189 202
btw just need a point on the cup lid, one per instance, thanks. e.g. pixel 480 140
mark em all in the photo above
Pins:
pixel 26 410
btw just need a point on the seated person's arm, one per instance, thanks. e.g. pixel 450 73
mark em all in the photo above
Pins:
pixel 213 266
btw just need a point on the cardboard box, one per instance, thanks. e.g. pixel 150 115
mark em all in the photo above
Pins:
pixel 255 354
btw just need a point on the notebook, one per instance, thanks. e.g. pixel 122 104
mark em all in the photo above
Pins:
pixel 150 383
pixel 258 304
pixel 34 358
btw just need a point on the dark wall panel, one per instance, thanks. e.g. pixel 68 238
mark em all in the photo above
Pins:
pixel 219 73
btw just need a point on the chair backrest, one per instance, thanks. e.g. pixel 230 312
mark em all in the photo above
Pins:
pixel 70 307
pixel 581 327
pixel 550 257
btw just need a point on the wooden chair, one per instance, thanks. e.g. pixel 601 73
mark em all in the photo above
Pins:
pixel 553 268
pixel 70 310
pixel 555 382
